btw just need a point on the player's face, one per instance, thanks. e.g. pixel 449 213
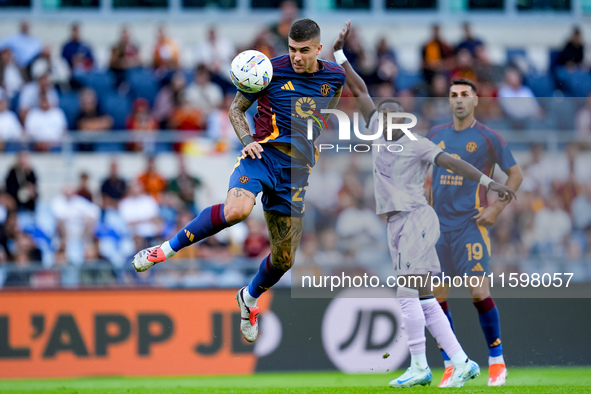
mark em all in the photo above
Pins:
pixel 462 100
pixel 303 55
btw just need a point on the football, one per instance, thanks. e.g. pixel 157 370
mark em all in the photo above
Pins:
pixel 251 71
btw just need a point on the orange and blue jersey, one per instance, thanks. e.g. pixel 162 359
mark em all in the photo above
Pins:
pixel 290 99
pixel 455 199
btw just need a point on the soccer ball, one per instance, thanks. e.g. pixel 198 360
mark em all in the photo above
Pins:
pixel 251 71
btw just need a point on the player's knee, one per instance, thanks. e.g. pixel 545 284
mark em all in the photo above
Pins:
pixel 282 261
pixel 479 293
pixel 235 213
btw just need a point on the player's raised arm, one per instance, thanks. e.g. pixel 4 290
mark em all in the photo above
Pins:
pixel 354 81
pixel 468 171
pixel 237 115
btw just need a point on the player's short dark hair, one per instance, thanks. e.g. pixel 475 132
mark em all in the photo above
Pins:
pixel 390 100
pixel 304 30
pixel 464 81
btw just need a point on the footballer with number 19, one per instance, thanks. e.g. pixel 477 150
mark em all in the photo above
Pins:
pixel 464 214
pixel 280 171
pixel 413 229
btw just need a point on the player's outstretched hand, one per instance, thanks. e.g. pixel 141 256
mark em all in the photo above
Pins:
pixel 253 150
pixel 506 194
pixel 340 42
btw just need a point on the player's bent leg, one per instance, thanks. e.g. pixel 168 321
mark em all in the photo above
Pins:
pixel 210 221
pixel 413 324
pixel 285 233
pixel 490 322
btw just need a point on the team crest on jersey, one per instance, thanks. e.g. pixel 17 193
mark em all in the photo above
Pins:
pixel 243 179
pixel 325 89
pixel 471 146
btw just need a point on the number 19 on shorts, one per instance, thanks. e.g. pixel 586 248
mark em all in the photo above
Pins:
pixel 475 251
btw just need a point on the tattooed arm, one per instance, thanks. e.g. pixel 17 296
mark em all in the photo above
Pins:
pixel 237 116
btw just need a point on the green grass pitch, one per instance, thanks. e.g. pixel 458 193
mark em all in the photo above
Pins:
pixel 521 380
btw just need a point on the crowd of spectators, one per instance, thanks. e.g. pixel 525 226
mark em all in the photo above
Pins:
pixel 167 95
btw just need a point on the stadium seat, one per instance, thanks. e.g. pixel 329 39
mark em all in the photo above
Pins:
pixel 516 55
pixel 102 82
pixel 541 84
pixel 576 83
pixel 118 107
pixel 407 80
pixel 14 102
pixel 70 104
pixel 143 83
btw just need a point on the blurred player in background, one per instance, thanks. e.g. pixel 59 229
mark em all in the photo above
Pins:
pixel 464 214
pixel 280 171
pixel 413 229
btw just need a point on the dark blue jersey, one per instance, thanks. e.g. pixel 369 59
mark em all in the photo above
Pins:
pixel 456 199
pixel 285 106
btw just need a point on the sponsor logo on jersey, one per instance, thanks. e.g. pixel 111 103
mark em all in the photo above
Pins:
pixel 478 267
pixel 288 86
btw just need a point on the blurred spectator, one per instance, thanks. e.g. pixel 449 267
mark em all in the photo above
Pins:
pixel 141 213
pixel 436 108
pixel 25 252
pixel 78 54
pixel 168 97
pixel 256 243
pixel 114 187
pixel 12 77
pixel 386 68
pixel 220 129
pixel 328 254
pixel 552 227
pixel 21 183
pixel 152 182
pixel 46 125
pixel 76 218
pixel 203 94
pixel 216 53
pixel 573 53
pixel 10 127
pixel 185 116
pixel 464 67
pixel 184 185
pixel 124 56
pixel 43 64
pixel 581 209
pixel 517 100
pixel 280 30
pixel 91 118
pixel 83 189
pixel 469 42
pixel 356 54
pixel 359 230
pixel 33 91
pixel 437 55
pixel 166 52
pixel 540 170
pixel 264 42
pixel 583 122
pixel 572 164
pixel 24 47
pixel 140 121
pixel 324 198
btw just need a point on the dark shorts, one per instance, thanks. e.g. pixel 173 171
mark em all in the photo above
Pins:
pixel 282 180
pixel 464 251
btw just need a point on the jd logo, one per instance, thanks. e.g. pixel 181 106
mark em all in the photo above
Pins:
pixel 356 332
pixel 266 344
